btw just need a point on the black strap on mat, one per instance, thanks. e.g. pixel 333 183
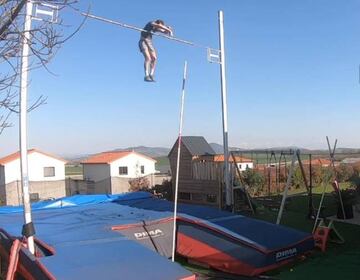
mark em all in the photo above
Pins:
pixel 28 230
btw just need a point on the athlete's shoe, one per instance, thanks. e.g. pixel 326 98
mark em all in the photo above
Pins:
pixel 152 78
pixel 148 79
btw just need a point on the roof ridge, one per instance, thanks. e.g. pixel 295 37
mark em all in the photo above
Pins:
pixel 16 155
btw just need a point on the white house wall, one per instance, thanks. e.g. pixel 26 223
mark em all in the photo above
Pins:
pixel 244 165
pixel 2 175
pixel 133 163
pixel 36 164
pixel 96 172
pixel 2 186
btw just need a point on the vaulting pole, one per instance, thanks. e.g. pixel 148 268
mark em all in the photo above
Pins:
pixel 228 188
pixel 28 229
pixel 178 162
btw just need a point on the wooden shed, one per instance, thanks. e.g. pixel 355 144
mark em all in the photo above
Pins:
pixel 196 184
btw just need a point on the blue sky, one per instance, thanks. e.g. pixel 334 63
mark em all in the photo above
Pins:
pixel 292 70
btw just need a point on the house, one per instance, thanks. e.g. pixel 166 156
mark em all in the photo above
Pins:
pixel 46 177
pixel 242 162
pixel 201 172
pixel 354 161
pixel 111 172
pixel 193 188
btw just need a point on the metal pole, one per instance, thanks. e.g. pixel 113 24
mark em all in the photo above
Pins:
pixel 311 204
pixel 178 163
pixel 23 122
pixel 319 209
pixel 289 180
pixel 228 196
pixel 332 159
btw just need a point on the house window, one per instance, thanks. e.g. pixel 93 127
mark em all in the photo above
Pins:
pixel 239 166
pixel 212 198
pixel 123 170
pixel 34 197
pixel 142 169
pixel 247 166
pixel 49 171
pixel 184 195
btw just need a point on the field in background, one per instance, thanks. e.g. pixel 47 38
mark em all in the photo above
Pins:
pixel 162 164
pixel 264 158
pixel 73 169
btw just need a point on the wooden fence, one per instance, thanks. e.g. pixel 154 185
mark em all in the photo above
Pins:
pixel 211 171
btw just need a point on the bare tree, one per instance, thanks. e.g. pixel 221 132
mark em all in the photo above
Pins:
pixel 46 39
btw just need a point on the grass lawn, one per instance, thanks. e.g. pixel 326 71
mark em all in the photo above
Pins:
pixel 263 158
pixel 340 261
pixel 73 170
pixel 319 189
pixel 162 164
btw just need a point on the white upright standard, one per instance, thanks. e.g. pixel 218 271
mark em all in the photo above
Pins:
pixel 178 163
pixel 23 122
pixel 228 187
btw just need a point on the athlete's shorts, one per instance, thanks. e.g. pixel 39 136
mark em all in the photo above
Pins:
pixel 146 45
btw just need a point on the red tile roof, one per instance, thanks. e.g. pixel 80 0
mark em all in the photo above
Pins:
pixel 109 157
pixel 16 156
pixel 239 159
pixel 318 161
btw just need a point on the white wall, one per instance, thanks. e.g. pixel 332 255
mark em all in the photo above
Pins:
pixel 2 175
pixel 244 165
pixel 96 172
pixel 2 186
pixel 36 164
pixel 133 162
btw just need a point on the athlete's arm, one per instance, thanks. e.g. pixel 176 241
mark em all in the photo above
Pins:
pixel 163 28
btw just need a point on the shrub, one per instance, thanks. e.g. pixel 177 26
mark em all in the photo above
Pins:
pixel 254 179
pixel 139 184
pixel 344 172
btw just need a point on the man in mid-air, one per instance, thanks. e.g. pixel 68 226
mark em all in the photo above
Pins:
pixel 147 48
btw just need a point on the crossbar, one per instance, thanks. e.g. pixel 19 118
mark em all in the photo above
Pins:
pixel 141 30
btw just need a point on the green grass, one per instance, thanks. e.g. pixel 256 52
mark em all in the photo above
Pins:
pixel 263 158
pixel 160 161
pixel 73 170
pixel 340 261
pixel 319 189
pixel 162 164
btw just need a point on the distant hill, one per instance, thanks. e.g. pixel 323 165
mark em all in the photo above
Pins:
pixel 153 152
pixel 75 159
pixel 159 152
pixel 347 150
pixel 219 150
